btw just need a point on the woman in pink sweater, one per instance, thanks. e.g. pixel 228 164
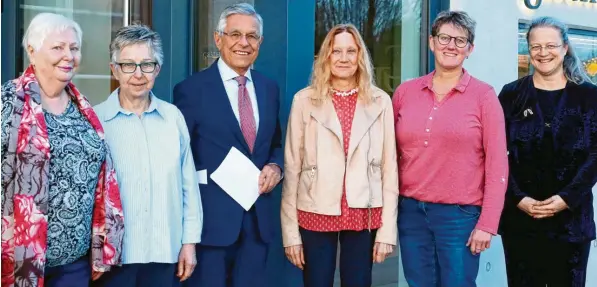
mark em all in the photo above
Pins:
pixel 453 163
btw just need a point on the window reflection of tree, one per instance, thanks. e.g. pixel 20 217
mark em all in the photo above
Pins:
pixel 371 17
pixel 379 22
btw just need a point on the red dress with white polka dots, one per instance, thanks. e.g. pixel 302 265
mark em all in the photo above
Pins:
pixel 355 219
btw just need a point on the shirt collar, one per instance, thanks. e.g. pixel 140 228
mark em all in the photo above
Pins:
pixel 228 73
pixel 114 107
pixel 427 81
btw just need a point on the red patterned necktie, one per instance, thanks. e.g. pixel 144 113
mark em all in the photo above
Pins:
pixel 245 111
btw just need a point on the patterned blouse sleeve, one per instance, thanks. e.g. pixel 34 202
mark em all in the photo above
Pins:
pixel 8 92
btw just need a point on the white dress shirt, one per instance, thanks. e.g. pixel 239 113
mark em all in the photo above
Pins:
pixel 231 86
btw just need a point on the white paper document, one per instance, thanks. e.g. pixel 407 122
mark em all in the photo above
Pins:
pixel 202 176
pixel 239 177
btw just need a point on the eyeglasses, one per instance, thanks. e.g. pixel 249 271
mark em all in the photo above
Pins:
pixel 537 48
pixel 252 38
pixel 129 68
pixel 445 39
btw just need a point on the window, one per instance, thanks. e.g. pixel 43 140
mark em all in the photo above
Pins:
pixel 583 41
pixel 99 21
pixel 391 30
pixel 208 13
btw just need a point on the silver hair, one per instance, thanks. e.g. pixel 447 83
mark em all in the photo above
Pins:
pixel 573 67
pixel 45 23
pixel 137 34
pixel 459 19
pixel 242 9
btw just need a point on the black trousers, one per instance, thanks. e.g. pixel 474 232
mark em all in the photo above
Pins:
pixel 534 262
pixel 356 257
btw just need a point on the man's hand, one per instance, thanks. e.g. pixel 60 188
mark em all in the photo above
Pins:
pixel 187 261
pixel 549 207
pixel 381 251
pixel 479 241
pixel 270 177
pixel 295 255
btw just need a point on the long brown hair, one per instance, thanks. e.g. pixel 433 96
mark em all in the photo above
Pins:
pixel 573 68
pixel 321 75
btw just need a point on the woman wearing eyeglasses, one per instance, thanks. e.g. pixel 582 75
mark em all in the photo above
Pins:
pixel 551 122
pixel 150 143
pixel 452 162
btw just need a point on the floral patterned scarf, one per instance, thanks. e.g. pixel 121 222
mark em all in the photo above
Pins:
pixel 25 185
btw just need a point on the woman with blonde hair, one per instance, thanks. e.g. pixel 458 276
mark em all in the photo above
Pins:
pixel 341 178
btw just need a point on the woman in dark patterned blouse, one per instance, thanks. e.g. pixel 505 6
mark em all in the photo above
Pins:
pixel 551 125
pixel 61 208
pixel 341 173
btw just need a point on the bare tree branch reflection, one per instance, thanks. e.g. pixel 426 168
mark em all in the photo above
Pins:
pixel 371 17
pixel 381 25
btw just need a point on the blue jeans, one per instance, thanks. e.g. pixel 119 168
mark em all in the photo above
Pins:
pixel 433 243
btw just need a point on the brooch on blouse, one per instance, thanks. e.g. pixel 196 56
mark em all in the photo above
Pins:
pixel 527 112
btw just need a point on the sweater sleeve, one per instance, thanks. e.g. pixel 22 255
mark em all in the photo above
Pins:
pixel 513 192
pixel 581 186
pixel 496 162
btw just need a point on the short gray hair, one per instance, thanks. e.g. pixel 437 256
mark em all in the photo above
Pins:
pixel 242 9
pixel 137 34
pixel 459 19
pixel 45 23
pixel 573 68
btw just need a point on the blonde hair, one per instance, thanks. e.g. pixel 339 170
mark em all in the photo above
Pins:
pixel 321 75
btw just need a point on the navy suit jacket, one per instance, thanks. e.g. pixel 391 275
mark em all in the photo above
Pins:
pixel 574 133
pixel 214 130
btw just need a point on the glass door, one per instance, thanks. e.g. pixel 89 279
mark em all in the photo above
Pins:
pixel 99 21
pixel 208 13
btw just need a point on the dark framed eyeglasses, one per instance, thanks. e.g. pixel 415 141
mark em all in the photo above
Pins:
pixel 445 39
pixel 129 68
pixel 252 38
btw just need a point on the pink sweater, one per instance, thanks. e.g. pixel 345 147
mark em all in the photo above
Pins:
pixel 453 151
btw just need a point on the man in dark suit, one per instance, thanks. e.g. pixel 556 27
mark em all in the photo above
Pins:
pixel 229 105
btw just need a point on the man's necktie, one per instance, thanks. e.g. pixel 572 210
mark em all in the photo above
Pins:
pixel 245 110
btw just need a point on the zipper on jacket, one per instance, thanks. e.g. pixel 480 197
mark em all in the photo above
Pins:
pixel 369 172
pixel 311 169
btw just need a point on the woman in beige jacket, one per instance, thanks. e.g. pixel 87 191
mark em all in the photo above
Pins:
pixel 341 177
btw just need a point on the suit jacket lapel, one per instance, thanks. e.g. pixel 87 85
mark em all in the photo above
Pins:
pixel 560 108
pixel 222 103
pixel 262 106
